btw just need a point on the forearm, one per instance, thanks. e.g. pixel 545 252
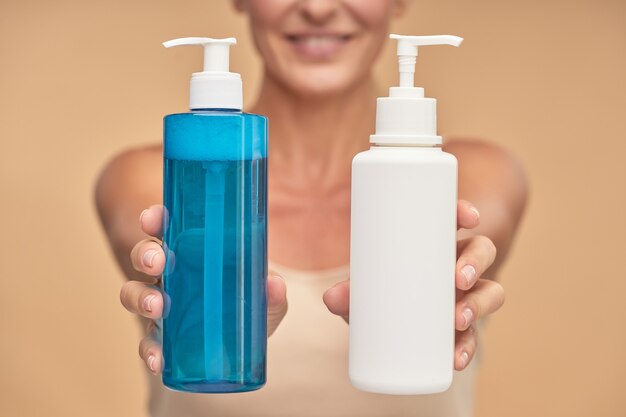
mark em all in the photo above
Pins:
pixel 127 185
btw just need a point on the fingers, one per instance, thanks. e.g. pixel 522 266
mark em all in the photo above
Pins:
pixel 147 301
pixel 143 299
pixel 484 298
pixel 150 351
pixel 147 256
pixel 467 215
pixel 476 254
pixel 276 302
pixel 465 348
pixel 337 299
pixel 151 220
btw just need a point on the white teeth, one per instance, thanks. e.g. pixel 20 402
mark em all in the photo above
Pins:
pixel 315 41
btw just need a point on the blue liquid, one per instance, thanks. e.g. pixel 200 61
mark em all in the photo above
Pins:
pixel 215 237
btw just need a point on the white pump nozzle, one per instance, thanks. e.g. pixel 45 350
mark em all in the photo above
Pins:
pixel 215 87
pixel 407 52
pixel 406 117
pixel 216 51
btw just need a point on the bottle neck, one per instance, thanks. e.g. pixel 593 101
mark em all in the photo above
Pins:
pixel 377 146
pixel 209 109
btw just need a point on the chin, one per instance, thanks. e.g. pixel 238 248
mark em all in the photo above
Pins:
pixel 321 82
pixel 319 91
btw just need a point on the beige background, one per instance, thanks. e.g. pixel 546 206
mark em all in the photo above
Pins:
pixel 81 80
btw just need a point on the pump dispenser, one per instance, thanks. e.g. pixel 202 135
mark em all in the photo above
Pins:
pixel 403 243
pixel 215 87
pixel 406 117
pixel 215 234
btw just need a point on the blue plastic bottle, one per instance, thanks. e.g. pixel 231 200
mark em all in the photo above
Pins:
pixel 214 328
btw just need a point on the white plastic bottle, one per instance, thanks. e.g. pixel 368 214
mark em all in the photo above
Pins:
pixel 403 243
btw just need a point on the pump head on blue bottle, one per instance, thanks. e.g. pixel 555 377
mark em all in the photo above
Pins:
pixel 215 87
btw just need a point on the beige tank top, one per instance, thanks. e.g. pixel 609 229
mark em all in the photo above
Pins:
pixel 307 370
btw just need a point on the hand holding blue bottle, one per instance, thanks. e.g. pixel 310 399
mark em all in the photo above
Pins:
pixel 145 298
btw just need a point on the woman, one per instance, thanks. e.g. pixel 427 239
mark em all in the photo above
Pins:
pixel 317 91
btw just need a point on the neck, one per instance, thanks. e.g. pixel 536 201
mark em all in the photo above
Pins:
pixel 312 143
pixel 312 136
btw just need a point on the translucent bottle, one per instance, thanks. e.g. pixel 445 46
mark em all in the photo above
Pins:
pixel 403 244
pixel 214 327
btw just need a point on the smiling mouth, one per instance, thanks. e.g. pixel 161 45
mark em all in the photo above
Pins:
pixel 318 46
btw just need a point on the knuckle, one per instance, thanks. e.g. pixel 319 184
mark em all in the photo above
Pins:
pixel 279 310
pixel 147 347
pixel 136 255
pixel 470 348
pixel 499 294
pixel 133 256
pixel 493 250
pixel 125 293
pixel 476 308
pixel 143 347
pixel 492 296
pixel 488 246
pixel 483 241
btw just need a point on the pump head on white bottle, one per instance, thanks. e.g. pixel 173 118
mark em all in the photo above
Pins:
pixel 215 87
pixel 406 117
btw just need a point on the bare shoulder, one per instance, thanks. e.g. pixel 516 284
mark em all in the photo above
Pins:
pixel 130 180
pixel 494 180
pixel 475 151
pixel 484 161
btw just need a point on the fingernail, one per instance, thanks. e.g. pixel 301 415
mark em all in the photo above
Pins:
pixel 469 272
pixel 147 302
pixel 475 211
pixel 464 358
pixel 468 315
pixel 150 363
pixel 148 257
pixel 141 217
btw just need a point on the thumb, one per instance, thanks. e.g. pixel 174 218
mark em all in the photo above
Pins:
pixel 276 301
pixel 337 299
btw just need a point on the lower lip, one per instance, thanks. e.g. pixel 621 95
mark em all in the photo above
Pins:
pixel 321 49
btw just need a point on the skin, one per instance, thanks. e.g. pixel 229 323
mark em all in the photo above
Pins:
pixel 321 103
